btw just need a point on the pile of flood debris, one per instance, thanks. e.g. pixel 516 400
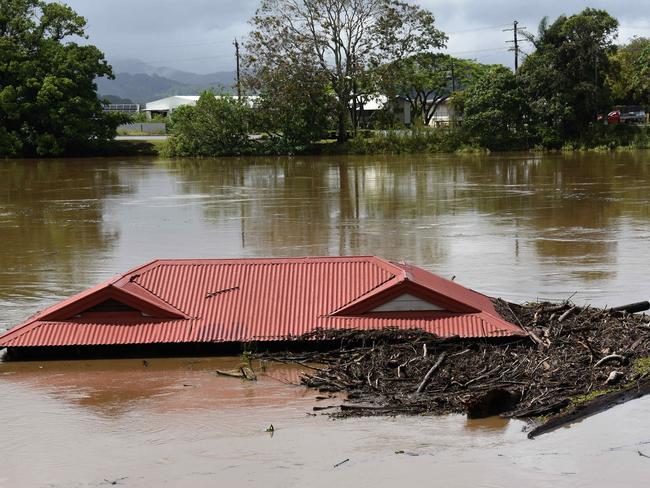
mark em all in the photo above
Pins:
pixel 575 361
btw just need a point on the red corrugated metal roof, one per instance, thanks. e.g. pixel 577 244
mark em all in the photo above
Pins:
pixel 181 301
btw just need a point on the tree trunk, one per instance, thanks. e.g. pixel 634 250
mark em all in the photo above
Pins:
pixel 341 132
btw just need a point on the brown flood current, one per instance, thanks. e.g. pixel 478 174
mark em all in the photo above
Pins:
pixel 520 226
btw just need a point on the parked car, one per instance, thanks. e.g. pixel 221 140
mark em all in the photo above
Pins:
pixel 633 115
pixel 626 114
pixel 614 117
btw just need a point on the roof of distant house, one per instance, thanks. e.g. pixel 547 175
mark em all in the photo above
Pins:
pixel 170 103
pixel 236 300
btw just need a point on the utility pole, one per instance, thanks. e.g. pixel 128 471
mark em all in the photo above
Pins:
pixel 238 76
pixel 515 40
pixel 453 78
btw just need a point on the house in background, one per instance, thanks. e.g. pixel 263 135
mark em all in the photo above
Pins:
pixel 400 110
pixel 166 106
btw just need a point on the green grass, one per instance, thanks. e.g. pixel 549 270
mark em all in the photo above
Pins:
pixel 587 397
pixel 642 365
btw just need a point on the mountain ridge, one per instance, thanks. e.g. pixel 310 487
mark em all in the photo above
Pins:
pixel 141 82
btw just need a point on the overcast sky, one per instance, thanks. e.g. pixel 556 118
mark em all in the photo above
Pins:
pixel 197 35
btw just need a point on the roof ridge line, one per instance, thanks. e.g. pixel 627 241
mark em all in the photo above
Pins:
pixel 499 318
pixel 406 275
pixel 131 272
pixel 182 261
pixel 158 297
pixel 369 292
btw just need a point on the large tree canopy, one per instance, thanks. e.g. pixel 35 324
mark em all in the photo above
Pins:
pixel 426 80
pixel 630 79
pixel 565 76
pixel 294 107
pixel 496 111
pixel 48 99
pixel 341 38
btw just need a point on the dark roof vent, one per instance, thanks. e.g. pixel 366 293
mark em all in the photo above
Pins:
pixel 111 305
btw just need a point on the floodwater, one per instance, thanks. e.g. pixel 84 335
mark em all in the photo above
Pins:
pixel 520 226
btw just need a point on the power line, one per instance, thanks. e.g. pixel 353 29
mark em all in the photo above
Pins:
pixel 480 50
pixel 222 56
pixel 477 29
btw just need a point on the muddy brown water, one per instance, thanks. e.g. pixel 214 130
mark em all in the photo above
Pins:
pixel 520 226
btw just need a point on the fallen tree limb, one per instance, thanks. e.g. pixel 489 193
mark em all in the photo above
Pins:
pixel 539 411
pixel 611 357
pixel 353 406
pixel 592 407
pixel 633 307
pixel 566 314
pixel 427 377
pixel 230 374
pixel 530 333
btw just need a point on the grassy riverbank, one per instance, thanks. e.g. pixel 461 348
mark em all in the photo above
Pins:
pixel 419 141
pixel 597 138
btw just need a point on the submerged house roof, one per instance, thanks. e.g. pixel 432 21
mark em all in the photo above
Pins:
pixel 233 300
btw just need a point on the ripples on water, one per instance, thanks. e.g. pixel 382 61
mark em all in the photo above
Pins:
pixel 174 423
pixel 518 226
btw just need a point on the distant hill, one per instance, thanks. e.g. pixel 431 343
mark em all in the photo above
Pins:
pixel 141 82
pixel 116 99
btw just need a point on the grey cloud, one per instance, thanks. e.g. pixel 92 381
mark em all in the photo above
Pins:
pixel 499 11
pixel 193 35
pixel 197 35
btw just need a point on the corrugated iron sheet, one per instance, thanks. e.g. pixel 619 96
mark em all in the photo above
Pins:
pixel 260 299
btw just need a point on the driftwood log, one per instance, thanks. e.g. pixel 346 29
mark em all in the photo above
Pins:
pixel 599 404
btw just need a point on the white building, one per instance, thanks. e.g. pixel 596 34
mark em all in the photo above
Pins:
pixel 401 108
pixel 165 106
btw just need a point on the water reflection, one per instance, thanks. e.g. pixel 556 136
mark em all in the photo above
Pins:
pixel 521 226
pixel 79 424
pixel 114 388
pixel 52 226
pixel 552 217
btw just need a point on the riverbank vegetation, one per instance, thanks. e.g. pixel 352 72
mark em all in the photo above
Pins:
pixel 48 96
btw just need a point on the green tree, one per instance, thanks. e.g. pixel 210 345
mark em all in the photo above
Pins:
pixel 426 80
pixel 341 38
pixel 215 126
pixel 294 106
pixel 565 76
pixel 48 98
pixel 496 110
pixel 630 78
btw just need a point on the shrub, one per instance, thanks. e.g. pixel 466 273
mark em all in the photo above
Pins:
pixel 216 126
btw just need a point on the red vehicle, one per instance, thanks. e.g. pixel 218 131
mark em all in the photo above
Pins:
pixel 614 117
pixel 625 114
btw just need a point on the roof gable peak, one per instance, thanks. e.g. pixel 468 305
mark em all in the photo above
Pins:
pixel 130 295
